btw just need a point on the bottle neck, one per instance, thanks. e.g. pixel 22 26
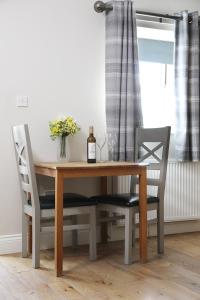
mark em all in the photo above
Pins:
pixel 91 131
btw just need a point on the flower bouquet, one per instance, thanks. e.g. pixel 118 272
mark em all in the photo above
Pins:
pixel 61 128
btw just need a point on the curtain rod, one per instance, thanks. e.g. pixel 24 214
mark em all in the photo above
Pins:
pixel 100 6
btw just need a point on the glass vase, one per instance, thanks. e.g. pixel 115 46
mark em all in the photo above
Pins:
pixel 62 153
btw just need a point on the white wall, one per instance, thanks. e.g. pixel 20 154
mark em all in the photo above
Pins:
pixel 53 52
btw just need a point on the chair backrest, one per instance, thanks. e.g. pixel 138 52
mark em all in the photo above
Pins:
pixel 25 165
pixel 152 146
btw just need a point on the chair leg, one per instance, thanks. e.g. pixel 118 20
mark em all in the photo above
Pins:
pixel 133 234
pixel 24 234
pixel 128 256
pixel 104 227
pixel 93 234
pixel 30 236
pixel 36 242
pixel 74 233
pixel 160 230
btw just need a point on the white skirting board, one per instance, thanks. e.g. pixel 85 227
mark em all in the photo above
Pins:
pixel 12 243
pixel 170 228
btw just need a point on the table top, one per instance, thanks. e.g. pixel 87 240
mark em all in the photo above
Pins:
pixel 84 169
pixel 83 164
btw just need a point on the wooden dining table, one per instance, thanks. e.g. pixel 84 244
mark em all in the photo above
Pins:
pixel 60 171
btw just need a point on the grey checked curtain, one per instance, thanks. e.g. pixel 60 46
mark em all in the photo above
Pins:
pixel 123 101
pixel 187 74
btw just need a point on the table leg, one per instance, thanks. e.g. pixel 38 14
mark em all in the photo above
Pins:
pixel 59 182
pixel 143 216
pixel 104 226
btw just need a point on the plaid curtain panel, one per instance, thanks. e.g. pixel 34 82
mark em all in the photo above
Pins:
pixel 123 100
pixel 187 133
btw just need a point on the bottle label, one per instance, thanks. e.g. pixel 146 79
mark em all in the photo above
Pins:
pixel 91 150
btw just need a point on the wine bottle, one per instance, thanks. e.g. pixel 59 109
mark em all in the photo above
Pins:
pixel 91 146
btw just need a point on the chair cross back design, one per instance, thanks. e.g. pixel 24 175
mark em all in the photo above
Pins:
pixel 25 166
pixel 150 152
pixel 155 141
pixel 41 208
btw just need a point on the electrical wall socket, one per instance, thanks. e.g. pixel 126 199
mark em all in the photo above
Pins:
pixel 22 101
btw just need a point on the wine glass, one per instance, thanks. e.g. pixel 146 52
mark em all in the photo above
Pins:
pixel 112 142
pixel 100 142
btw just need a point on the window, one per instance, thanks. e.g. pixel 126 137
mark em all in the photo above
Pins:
pixel 156 61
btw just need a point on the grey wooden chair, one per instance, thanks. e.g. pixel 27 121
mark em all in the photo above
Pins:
pixel 152 146
pixel 41 208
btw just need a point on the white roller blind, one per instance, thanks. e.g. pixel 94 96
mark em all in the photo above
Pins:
pixel 156 51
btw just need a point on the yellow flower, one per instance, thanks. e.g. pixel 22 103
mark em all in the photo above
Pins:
pixel 63 127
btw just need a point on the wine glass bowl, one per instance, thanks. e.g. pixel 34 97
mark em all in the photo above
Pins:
pixel 112 142
pixel 100 142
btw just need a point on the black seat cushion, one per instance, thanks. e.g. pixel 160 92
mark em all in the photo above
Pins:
pixel 127 200
pixel 70 200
